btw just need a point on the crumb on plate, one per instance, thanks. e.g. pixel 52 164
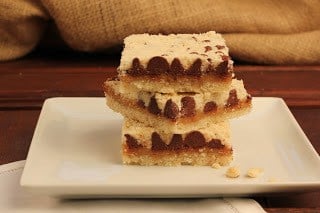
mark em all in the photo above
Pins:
pixel 216 166
pixel 233 172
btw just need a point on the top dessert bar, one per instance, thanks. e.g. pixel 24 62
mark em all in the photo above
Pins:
pixel 181 54
pixel 164 59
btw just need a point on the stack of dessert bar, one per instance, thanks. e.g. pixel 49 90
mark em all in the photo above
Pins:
pixel 177 93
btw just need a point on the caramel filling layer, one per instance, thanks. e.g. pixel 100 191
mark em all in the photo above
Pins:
pixel 159 65
pixel 193 140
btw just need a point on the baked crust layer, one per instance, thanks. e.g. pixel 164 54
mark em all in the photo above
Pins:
pixel 168 84
pixel 195 157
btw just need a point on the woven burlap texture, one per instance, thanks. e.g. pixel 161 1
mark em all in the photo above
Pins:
pixel 266 32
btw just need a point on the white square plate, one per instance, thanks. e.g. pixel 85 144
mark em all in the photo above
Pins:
pixel 75 152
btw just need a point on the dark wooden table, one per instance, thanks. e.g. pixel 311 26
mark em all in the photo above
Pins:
pixel 26 83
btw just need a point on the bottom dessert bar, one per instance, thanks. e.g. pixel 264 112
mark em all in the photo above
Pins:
pixel 144 145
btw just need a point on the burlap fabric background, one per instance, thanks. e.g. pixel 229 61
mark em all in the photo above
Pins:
pixel 267 32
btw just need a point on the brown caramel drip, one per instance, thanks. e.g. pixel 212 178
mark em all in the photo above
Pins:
pixel 157 65
pixel 131 142
pixel 195 68
pixel 176 67
pixel 141 103
pixel 195 139
pixel 153 106
pixel 232 99
pixel 171 110
pixel 249 98
pixel 136 68
pixel 219 47
pixel 157 142
pixel 210 106
pixel 206 40
pixel 176 142
pixel 207 49
pixel 215 144
pixel 225 58
pixel 222 68
pixel 188 106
